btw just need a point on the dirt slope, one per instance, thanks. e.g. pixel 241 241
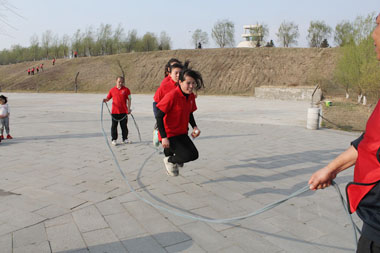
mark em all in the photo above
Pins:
pixel 225 71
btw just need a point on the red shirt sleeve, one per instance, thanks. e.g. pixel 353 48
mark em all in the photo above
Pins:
pixel 166 103
pixel 109 96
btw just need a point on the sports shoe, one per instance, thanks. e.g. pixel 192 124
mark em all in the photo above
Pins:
pixel 156 141
pixel 9 137
pixel 126 141
pixel 1 137
pixel 171 168
pixel 113 143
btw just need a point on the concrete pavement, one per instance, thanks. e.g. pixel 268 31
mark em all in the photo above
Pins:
pixel 60 190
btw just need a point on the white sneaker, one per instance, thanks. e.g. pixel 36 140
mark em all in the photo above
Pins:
pixel 171 168
pixel 156 141
pixel 113 143
pixel 126 141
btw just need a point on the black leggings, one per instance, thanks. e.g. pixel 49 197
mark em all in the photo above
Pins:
pixel 123 126
pixel 367 246
pixel 181 150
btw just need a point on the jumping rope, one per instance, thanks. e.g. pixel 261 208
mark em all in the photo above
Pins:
pixel 226 220
pixel 137 127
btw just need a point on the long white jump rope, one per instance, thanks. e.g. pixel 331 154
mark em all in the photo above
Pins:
pixel 226 220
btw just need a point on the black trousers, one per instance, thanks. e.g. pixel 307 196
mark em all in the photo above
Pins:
pixel 367 246
pixel 181 150
pixel 123 125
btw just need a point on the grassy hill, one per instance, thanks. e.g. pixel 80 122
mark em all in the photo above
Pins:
pixel 225 71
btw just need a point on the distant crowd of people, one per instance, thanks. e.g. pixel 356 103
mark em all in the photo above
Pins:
pixel 36 70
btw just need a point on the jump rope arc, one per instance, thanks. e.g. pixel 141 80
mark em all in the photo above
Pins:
pixel 226 220
pixel 134 121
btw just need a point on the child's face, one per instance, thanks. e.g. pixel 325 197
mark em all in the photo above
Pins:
pixel 188 85
pixel 175 74
pixel 2 101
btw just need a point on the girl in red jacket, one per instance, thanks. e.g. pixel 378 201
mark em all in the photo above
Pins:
pixel 174 113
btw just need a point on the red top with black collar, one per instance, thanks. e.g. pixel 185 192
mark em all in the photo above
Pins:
pixel 177 108
pixel 119 99
pixel 166 86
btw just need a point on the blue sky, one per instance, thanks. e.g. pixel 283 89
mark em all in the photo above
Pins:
pixel 178 18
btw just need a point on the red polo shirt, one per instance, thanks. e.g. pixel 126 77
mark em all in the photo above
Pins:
pixel 166 86
pixel 177 109
pixel 119 99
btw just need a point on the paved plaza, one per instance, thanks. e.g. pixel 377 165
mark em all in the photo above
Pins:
pixel 60 190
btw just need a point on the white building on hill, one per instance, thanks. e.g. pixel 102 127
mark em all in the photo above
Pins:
pixel 252 35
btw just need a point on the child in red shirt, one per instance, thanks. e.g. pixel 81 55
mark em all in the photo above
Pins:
pixel 119 95
pixel 174 113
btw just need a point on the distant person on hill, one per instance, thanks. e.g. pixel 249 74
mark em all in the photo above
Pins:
pixel 32 71
pixel 174 113
pixel 4 117
pixel 121 107
pixel 199 45
pixel 42 67
pixel 75 54
pixel 363 194
pixel 53 61
pixel 28 71
pixel 38 70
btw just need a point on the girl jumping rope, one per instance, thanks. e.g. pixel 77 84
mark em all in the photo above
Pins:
pixel 4 117
pixel 174 113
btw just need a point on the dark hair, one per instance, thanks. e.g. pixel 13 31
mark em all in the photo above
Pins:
pixel 120 77
pixel 170 62
pixel 4 98
pixel 175 66
pixel 195 75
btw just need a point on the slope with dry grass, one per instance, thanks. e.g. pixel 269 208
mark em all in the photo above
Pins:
pixel 225 71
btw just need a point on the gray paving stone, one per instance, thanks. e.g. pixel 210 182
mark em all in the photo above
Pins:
pixel 204 235
pixel 187 246
pixel 31 235
pixel 111 206
pixel 124 225
pixel 143 244
pixel 89 219
pixel 40 247
pixel 103 240
pixel 65 237
pixel 6 243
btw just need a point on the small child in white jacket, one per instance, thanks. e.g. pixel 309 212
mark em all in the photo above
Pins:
pixel 4 117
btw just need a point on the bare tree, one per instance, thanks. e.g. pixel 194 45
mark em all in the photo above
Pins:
pixel 165 41
pixel 118 37
pixel 88 41
pixel 199 37
pixel 318 31
pixel 34 46
pixel 288 34
pixel 131 41
pixel 223 33
pixel 47 37
pixel 65 45
pixel 76 41
pixel 344 33
pixel 149 42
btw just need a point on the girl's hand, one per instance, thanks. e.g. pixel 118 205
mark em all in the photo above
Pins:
pixel 165 143
pixel 196 132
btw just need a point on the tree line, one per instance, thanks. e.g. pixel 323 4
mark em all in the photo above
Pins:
pixel 357 69
pixel 90 42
